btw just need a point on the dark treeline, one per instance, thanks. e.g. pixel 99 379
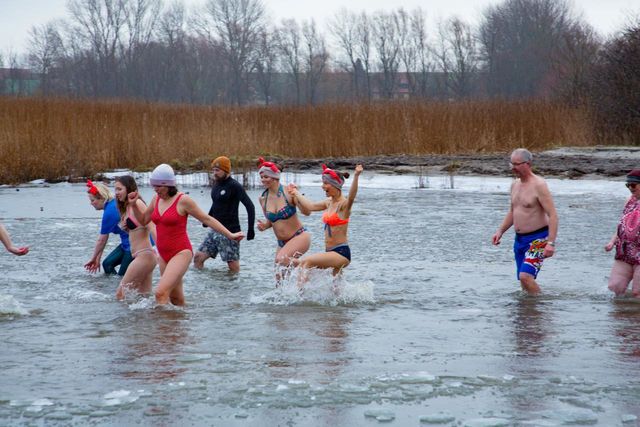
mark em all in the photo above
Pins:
pixel 228 53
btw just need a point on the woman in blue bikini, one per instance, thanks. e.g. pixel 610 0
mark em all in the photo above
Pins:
pixel 280 212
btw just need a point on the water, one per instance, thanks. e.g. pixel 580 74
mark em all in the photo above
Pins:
pixel 427 325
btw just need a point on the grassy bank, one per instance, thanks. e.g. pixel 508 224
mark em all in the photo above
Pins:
pixel 51 138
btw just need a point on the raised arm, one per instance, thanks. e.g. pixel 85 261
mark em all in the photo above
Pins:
pixel 354 189
pixel 189 206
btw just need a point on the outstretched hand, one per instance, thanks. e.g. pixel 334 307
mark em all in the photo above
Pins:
pixel 262 225
pixel 19 250
pixel 92 266
pixel 359 169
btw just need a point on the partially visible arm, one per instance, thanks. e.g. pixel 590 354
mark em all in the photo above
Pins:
pixel 306 206
pixel 6 241
pixel 93 265
pixel 614 238
pixel 150 225
pixel 546 201
pixel 266 224
pixel 506 224
pixel 189 206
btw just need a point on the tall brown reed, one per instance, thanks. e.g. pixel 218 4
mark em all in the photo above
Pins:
pixel 52 138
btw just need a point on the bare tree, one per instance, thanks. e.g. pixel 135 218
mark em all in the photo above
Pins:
pixel 387 45
pixel 518 39
pixel 289 44
pixel 457 56
pixel 407 52
pixel 316 57
pixel 141 17
pixel 265 64
pixel 423 61
pixel 574 61
pixel 98 25
pixel 45 49
pixel 344 28
pixel 363 51
pixel 237 25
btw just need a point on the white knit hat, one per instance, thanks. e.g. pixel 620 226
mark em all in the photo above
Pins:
pixel 163 175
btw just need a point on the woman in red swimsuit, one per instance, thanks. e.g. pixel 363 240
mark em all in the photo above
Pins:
pixel 337 210
pixel 169 210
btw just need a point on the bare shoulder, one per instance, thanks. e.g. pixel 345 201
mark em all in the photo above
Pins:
pixel 541 184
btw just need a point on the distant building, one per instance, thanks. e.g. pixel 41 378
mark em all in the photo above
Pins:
pixel 18 81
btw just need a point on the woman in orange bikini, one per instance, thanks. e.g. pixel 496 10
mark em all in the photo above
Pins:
pixel 337 210
pixel 280 213
pixel 139 272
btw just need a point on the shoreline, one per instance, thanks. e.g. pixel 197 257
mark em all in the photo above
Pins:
pixel 567 162
pixel 563 163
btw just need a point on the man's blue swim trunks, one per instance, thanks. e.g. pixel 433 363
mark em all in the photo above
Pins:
pixel 528 249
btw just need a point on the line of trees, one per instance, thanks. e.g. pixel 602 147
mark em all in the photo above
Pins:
pixel 227 52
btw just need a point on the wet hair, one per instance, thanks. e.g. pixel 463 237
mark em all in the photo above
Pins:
pixel 523 154
pixel 103 192
pixel 129 185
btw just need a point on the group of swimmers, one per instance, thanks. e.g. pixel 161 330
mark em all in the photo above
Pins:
pixel 164 222
pixel 531 212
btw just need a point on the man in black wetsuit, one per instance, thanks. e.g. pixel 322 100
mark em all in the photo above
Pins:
pixel 226 194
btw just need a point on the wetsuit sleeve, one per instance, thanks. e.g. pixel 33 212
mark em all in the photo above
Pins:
pixel 251 211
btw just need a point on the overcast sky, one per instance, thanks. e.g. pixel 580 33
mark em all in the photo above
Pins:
pixel 607 16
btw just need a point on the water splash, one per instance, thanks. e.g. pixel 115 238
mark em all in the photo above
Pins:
pixel 9 305
pixel 316 286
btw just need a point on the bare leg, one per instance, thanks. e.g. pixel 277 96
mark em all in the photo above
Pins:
pixel 331 260
pixel 294 248
pixel 138 275
pixel 621 274
pixel 199 259
pixel 234 266
pixel 528 283
pixel 169 287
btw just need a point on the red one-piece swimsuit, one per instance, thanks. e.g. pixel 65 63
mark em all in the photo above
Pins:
pixel 171 229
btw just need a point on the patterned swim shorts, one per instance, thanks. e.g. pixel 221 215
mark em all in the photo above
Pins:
pixel 215 243
pixel 528 249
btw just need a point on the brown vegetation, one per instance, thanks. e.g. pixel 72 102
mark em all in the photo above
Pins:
pixel 53 138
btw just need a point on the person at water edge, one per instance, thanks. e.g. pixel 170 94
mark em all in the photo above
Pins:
pixel 8 244
pixel 626 240
pixel 138 275
pixel 102 200
pixel 535 220
pixel 169 210
pixel 337 211
pixel 281 214
pixel 226 195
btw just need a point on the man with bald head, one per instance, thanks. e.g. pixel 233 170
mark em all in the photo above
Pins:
pixel 535 220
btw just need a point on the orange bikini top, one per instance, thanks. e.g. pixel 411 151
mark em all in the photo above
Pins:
pixel 331 220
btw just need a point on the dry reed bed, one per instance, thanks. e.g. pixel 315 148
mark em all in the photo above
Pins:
pixel 53 138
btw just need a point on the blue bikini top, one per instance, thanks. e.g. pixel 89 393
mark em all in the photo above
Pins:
pixel 286 212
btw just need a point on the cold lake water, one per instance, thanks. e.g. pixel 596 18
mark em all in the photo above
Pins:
pixel 427 325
